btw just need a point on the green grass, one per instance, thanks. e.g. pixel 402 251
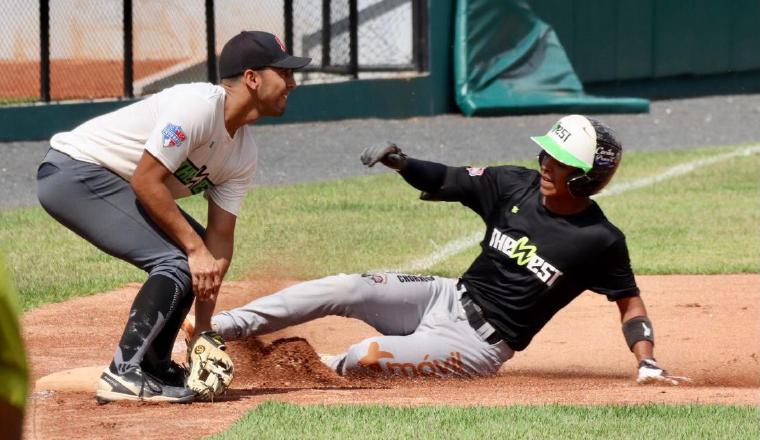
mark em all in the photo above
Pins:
pixel 273 420
pixel 703 222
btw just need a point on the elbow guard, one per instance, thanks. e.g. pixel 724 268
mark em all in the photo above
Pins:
pixel 638 329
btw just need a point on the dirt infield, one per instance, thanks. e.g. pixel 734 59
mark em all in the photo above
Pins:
pixel 74 79
pixel 707 328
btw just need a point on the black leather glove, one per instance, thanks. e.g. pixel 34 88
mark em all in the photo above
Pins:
pixel 390 156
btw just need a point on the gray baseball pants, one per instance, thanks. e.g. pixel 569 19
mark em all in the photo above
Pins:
pixel 424 326
pixel 102 208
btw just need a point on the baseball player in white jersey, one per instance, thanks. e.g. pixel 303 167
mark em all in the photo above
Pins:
pixel 113 180
pixel 545 243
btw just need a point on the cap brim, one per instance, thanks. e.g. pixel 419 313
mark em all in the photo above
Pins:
pixel 557 152
pixel 291 62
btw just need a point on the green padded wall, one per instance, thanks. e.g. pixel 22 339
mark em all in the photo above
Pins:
pixel 612 40
pixel 508 61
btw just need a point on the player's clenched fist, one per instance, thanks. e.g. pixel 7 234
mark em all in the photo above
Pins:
pixel 207 277
pixel 390 155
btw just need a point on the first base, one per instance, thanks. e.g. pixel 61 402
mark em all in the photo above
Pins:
pixel 84 379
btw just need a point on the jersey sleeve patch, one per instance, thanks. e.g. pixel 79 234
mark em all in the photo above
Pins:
pixel 475 171
pixel 173 136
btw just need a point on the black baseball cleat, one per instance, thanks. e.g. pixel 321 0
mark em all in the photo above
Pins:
pixel 169 372
pixel 135 384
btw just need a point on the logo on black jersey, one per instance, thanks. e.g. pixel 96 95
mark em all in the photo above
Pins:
pixel 524 254
pixel 196 179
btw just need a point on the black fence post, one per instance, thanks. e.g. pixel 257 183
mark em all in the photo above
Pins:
pixel 128 58
pixel 211 42
pixel 419 35
pixel 45 50
pixel 288 6
pixel 326 32
pixel 353 36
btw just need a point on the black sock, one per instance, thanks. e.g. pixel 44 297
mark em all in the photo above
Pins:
pixel 160 351
pixel 153 307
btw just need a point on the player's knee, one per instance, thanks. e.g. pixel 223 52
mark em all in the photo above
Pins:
pixel 178 269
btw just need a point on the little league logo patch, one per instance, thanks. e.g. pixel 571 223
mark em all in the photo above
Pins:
pixel 474 172
pixel 374 278
pixel 173 135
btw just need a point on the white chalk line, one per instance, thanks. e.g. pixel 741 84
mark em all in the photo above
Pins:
pixel 460 244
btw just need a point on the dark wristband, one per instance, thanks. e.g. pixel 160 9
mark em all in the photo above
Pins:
pixel 638 329
pixel 423 175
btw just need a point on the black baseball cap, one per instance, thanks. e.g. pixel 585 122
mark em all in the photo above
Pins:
pixel 255 50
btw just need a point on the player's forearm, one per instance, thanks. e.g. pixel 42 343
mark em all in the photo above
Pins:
pixel 643 350
pixel 221 247
pixel 204 311
pixel 637 328
pixel 156 198
pixel 424 175
pixel 220 235
pixel 631 308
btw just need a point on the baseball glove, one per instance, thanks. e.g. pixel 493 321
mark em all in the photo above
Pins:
pixel 389 155
pixel 211 369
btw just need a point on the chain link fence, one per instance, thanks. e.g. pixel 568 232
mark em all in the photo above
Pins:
pixel 87 49
pixel 19 51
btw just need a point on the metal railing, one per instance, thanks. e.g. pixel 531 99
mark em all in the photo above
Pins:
pixel 338 34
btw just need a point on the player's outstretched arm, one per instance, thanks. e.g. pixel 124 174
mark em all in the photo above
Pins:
pixel 424 175
pixel 639 335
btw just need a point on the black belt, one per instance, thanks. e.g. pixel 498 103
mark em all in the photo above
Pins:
pixel 477 321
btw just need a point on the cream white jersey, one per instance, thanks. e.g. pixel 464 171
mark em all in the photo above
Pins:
pixel 183 127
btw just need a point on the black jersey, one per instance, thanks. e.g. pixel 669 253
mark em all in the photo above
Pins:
pixel 534 262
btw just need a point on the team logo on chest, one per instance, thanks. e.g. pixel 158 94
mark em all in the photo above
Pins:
pixel 524 254
pixel 196 179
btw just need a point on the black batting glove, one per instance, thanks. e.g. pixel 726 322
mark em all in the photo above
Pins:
pixel 389 155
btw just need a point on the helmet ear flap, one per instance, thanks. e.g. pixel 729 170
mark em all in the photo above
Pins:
pixel 580 184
